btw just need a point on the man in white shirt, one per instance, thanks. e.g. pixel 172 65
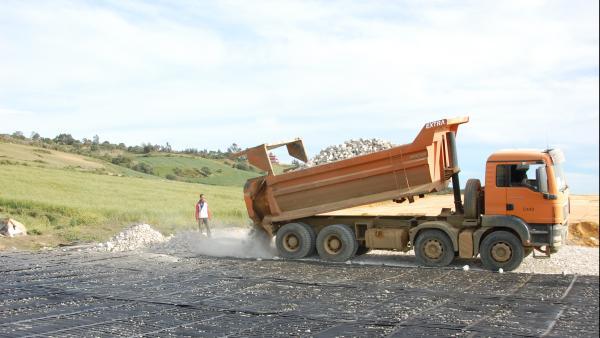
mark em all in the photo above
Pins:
pixel 203 214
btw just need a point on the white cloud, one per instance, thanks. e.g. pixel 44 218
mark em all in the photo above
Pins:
pixel 524 71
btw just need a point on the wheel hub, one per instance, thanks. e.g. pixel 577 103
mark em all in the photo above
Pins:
pixel 433 249
pixel 291 242
pixel 333 245
pixel 501 252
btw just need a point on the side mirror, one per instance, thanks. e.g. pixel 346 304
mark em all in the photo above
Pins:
pixel 542 180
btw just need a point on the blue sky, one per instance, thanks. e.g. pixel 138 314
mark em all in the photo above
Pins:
pixel 205 74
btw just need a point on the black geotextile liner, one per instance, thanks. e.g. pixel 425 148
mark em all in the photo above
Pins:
pixel 80 294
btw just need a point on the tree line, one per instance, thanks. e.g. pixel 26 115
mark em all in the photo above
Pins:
pixel 105 150
pixel 94 144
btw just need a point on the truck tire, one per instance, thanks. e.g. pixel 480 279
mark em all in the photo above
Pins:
pixel 313 239
pixel 434 248
pixel 472 204
pixel 336 243
pixel 295 240
pixel 501 249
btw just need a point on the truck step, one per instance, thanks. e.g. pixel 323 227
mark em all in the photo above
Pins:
pixel 545 254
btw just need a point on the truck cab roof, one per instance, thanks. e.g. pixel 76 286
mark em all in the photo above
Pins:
pixel 514 155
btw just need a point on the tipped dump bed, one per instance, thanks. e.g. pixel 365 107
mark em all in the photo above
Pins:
pixel 421 167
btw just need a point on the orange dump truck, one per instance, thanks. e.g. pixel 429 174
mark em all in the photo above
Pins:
pixel 523 207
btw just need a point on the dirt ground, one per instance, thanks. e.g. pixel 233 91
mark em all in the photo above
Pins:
pixel 583 221
pixel 82 293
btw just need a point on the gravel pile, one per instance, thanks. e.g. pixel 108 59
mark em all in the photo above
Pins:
pixel 348 149
pixel 132 238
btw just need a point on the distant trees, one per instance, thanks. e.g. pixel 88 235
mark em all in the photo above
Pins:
pixel 143 167
pixel 122 160
pixel 65 139
pixel 147 148
pixel 206 171
pixel 106 150
pixel 233 148
pixel 18 135
pixel 242 166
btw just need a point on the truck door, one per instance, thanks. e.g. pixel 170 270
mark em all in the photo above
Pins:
pixel 523 199
pixel 495 189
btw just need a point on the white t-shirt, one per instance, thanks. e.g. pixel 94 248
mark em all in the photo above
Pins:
pixel 203 210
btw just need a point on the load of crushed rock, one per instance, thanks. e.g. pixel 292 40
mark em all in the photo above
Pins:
pixel 134 237
pixel 348 149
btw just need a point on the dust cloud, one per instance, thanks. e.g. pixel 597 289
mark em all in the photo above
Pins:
pixel 224 242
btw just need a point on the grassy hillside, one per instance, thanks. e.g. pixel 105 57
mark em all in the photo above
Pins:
pixel 11 153
pixel 63 197
pixel 190 169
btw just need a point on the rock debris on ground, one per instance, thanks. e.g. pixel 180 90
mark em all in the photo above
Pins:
pixel 132 238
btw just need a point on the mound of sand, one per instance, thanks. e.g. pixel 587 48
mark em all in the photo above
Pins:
pixel 583 233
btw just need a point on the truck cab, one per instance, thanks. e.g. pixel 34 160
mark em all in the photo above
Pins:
pixel 528 186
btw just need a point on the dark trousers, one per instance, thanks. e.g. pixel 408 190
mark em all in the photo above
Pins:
pixel 201 222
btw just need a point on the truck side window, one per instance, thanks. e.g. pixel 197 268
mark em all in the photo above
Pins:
pixel 502 175
pixel 517 175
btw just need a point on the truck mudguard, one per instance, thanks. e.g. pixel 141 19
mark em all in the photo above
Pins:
pixel 502 221
pixel 446 227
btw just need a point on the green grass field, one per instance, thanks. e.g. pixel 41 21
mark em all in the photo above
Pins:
pixel 221 174
pixel 62 197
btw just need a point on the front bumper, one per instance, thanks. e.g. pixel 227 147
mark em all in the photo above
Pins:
pixel 550 235
pixel 559 236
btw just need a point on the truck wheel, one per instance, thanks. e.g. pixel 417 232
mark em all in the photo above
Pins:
pixel 337 243
pixel 434 248
pixel 501 249
pixel 295 240
pixel 313 239
pixel 472 198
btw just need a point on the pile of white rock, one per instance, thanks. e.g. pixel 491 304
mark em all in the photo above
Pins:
pixel 348 149
pixel 134 237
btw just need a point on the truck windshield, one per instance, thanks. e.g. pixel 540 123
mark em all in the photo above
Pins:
pixel 559 175
pixel 558 158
